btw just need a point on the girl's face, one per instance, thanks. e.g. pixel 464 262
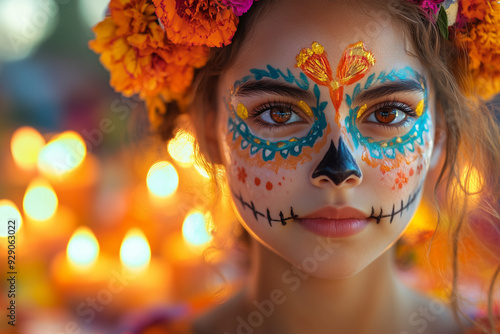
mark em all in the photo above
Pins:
pixel 326 129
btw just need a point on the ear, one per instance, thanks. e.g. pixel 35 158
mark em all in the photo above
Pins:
pixel 440 135
pixel 211 139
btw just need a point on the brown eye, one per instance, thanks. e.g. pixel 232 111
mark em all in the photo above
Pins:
pixel 386 115
pixel 280 115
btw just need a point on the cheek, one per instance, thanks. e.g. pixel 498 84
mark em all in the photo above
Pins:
pixel 409 173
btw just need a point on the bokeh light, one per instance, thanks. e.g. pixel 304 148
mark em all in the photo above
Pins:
pixel 63 154
pixel 25 145
pixel 9 211
pixel 135 252
pixel 83 248
pixel 92 11
pixel 40 201
pixel 474 183
pixel 162 179
pixel 195 228
pixel 24 25
pixel 181 148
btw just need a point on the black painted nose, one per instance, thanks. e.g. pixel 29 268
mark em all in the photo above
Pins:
pixel 337 164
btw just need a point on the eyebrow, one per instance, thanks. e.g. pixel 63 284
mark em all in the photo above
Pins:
pixel 387 89
pixel 253 87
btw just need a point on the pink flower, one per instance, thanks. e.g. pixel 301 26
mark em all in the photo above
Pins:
pixel 431 7
pixel 239 7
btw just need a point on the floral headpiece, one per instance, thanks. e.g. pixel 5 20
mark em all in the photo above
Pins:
pixel 152 47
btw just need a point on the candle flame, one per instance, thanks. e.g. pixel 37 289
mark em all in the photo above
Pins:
pixel 162 179
pixel 8 213
pixel 135 252
pixel 83 248
pixel 63 154
pixel 25 146
pixel 181 148
pixel 195 229
pixel 40 201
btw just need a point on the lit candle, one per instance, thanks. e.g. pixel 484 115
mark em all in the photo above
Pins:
pixel 25 145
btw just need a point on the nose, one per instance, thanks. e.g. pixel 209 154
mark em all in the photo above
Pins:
pixel 337 166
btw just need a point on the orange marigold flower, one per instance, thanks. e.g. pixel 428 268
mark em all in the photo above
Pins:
pixel 474 10
pixel 197 22
pixel 482 41
pixel 140 58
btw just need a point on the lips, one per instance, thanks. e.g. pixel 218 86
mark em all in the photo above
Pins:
pixel 334 222
pixel 336 213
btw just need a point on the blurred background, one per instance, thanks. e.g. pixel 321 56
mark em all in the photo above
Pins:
pixel 109 220
pixel 110 223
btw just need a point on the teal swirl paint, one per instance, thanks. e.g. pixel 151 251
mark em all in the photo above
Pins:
pixel 388 149
pixel 292 146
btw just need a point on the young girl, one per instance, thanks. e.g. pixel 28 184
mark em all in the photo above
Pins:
pixel 332 119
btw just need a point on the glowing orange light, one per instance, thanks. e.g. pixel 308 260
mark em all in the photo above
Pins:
pixel 202 171
pixel 83 248
pixel 162 179
pixel 63 154
pixel 195 229
pixel 25 145
pixel 40 201
pixel 8 214
pixel 181 148
pixel 474 183
pixel 135 253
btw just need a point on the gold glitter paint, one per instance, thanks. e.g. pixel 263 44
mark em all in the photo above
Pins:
pixel 420 108
pixel 256 140
pixel 399 140
pixel 361 111
pixel 293 139
pixel 356 61
pixel 383 145
pixel 305 107
pixel 242 111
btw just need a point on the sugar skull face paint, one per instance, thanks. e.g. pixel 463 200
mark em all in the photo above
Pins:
pixel 353 66
pixel 272 153
pixel 292 149
pixel 392 153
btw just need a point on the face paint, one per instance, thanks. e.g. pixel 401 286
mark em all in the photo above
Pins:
pixel 338 164
pixel 398 150
pixel 270 219
pixel 242 175
pixel 394 212
pixel 353 66
pixel 276 154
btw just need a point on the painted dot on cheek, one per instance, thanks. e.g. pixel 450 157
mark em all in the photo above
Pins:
pixel 257 181
pixel 269 186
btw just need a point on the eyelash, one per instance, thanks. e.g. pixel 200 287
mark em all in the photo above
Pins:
pixel 397 105
pixel 255 113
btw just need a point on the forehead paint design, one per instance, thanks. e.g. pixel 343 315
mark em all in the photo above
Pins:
pixel 353 66
pixel 283 153
pixel 398 150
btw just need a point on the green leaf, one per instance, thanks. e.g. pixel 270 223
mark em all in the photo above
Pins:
pixel 442 22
